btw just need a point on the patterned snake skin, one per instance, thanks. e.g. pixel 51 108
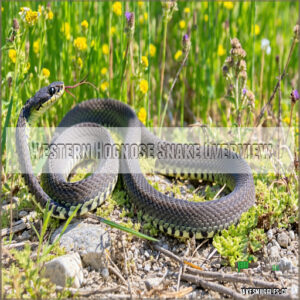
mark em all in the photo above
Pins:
pixel 170 215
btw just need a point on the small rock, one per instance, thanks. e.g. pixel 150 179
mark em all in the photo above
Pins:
pixel 105 273
pixel 22 213
pixel 15 199
pixel 59 269
pixel 285 264
pixel 274 242
pixel 147 267
pixel 24 236
pixel 292 235
pixel 270 234
pixel 89 240
pixel 283 239
pixel 294 291
pixel 147 254
pixel 274 252
pixel 150 283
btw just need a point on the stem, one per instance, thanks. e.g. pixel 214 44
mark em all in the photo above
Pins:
pixel 261 114
pixel 124 66
pixel 162 73
pixel 261 75
pixel 172 87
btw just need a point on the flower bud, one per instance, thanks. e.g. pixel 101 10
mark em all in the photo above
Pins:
pixel 16 25
pixel 186 43
pixel 235 43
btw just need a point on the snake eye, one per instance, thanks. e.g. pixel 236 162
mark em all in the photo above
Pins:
pixel 51 91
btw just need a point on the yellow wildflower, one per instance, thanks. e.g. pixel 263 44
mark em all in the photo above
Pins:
pixel 2 9
pixel 104 86
pixel 117 8
pixel 27 67
pixel 141 20
pixel 40 9
pixel 144 61
pixel 145 16
pixel 182 24
pixel 286 120
pixel 178 54
pixel 187 10
pixel 105 49
pixel 84 24
pixel 228 4
pixel 256 29
pixel 12 54
pixel 45 72
pixel 112 30
pixel 140 3
pixel 152 49
pixel 29 16
pixel 36 46
pixel 206 17
pixel 50 15
pixel 80 43
pixel 79 62
pixel 221 50
pixel 144 86
pixel 205 4
pixel 142 115
pixel 66 30
pixel 103 71
pixel 92 43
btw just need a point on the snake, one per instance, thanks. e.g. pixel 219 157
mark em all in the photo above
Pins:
pixel 172 216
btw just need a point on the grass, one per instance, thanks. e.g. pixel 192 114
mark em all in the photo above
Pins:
pixel 35 55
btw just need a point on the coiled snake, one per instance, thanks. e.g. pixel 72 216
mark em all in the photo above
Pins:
pixel 170 215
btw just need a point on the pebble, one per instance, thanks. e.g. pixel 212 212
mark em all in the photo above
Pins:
pixel 59 269
pixel 23 213
pixel 147 267
pixel 270 234
pixel 285 264
pixel 274 252
pixel 274 242
pixel 147 254
pixel 24 236
pixel 89 240
pixel 292 235
pixel 283 239
pixel 294 291
pixel 105 273
pixel 150 283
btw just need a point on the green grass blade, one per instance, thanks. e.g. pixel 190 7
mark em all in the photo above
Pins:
pixel 128 230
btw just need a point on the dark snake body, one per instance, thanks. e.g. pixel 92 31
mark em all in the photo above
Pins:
pixel 170 215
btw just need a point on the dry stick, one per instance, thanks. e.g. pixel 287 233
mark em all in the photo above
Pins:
pixel 212 286
pixel 261 114
pixel 126 270
pixel 217 275
pixel 85 292
pixel 172 87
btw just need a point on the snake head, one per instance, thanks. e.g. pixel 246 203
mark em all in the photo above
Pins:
pixel 48 95
pixel 43 100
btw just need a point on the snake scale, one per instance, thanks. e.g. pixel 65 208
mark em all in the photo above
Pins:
pixel 173 216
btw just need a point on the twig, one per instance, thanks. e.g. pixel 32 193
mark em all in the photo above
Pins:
pixel 85 292
pixel 212 286
pixel 179 278
pixel 14 228
pixel 216 275
pixel 172 87
pixel 258 120
pixel 114 268
pixel 209 256
pixel 126 270
pixel 20 245
pixel 219 192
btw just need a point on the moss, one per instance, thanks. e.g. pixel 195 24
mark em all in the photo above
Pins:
pixel 273 206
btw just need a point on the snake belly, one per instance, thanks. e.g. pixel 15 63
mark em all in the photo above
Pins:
pixel 173 216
